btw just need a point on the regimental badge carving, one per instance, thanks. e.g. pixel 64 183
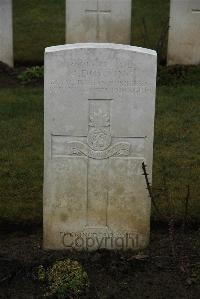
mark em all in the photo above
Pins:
pixel 99 140
pixel 99 119
pixel 99 137
pixel 77 148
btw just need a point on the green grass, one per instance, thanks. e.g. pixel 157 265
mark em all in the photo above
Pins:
pixel 176 149
pixel 37 24
pixel 155 14
pixel 41 23
pixel 21 153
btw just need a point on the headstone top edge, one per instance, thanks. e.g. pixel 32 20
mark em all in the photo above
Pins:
pixel 100 46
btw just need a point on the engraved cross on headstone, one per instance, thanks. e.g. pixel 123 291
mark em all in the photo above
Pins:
pixel 98 11
pixel 98 148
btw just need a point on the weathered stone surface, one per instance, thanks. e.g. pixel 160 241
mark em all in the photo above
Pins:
pixel 184 32
pixel 99 127
pixel 98 21
pixel 6 33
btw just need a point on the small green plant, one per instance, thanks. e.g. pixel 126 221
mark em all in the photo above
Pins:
pixel 41 273
pixel 33 74
pixel 196 273
pixel 65 278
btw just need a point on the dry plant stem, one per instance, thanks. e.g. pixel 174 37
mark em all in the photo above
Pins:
pixel 179 256
pixel 171 222
pixel 145 35
pixel 150 191
pixel 162 38
pixel 186 202
pixel 172 237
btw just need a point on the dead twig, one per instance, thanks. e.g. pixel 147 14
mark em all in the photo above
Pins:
pixel 162 38
pixel 145 34
pixel 150 191
pixel 186 201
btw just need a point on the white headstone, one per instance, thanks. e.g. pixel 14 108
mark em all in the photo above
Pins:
pixel 99 128
pixel 184 32
pixel 98 21
pixel 6 32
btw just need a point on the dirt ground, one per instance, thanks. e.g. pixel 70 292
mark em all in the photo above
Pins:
pixel 163 271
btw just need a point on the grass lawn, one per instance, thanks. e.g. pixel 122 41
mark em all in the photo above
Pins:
pixel 155 14
pixel 41 23
pixel 176 146
pixel 37 24
pixel 21 153
pixel 176 154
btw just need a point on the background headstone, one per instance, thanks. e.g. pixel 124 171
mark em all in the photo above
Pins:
pixel 98 21
pixel 6 32
pixel 99 127
pixel 184 32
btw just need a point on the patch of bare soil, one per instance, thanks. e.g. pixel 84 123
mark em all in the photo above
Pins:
pixel 163 271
